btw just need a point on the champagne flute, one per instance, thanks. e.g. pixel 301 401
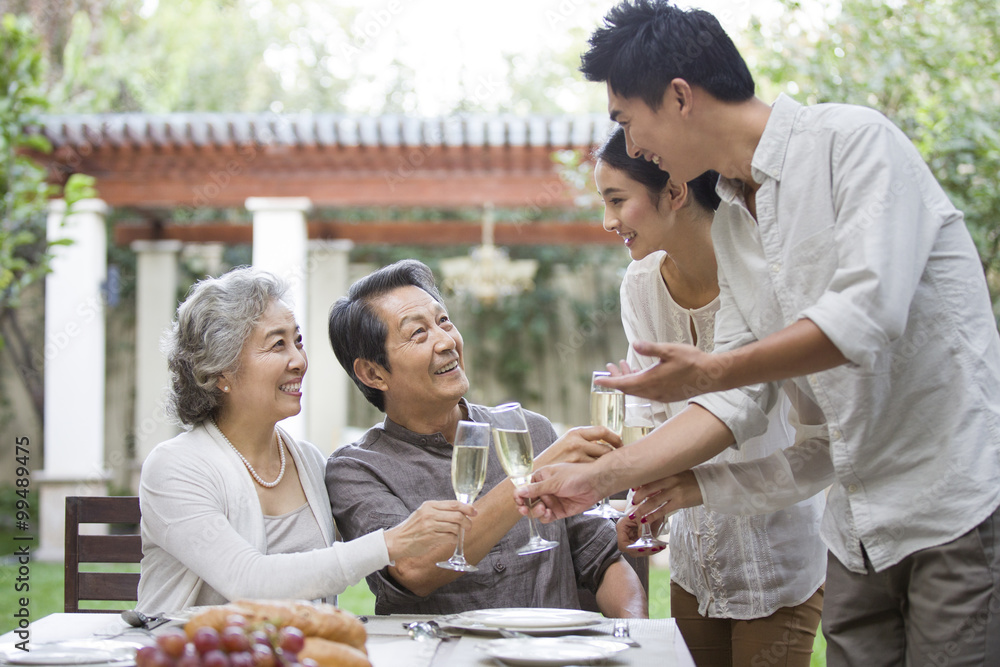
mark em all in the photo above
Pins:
pixel 468 472
pixel 514 449
pixel 607 408
pixel 638 424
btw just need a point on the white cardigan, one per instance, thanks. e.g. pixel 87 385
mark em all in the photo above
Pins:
pixel 203 537
pixel 741 567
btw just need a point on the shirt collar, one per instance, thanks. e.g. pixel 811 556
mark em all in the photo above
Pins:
pixel 400 432
pixel 769 157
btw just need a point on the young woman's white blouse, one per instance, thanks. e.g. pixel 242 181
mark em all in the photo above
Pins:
pixel 739 567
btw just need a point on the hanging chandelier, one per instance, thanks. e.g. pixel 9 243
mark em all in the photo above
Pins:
pixel 488 273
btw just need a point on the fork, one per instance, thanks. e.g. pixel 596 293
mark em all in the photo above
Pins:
pixel 427 630
pixel 621 632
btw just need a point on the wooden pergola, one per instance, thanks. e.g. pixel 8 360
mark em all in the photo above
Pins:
pixel 280 170
pixel 164 162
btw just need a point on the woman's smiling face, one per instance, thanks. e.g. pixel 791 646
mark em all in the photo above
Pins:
pixel 268 382
pixel 630 212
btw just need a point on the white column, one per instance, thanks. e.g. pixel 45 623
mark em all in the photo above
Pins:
pixel 73 462
pixel 155 303
pixel 279 246
pixel 327 385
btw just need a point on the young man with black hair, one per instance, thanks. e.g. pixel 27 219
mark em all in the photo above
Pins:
pixel 847 275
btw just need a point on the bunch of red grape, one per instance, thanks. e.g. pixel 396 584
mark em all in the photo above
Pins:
pixel 238 645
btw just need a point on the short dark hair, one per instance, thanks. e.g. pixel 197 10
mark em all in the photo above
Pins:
pixel 646 44
pixel 615 154
pixel 355 328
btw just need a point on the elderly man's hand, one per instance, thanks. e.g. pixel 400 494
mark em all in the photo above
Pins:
pixel 580 445
pixel 683 371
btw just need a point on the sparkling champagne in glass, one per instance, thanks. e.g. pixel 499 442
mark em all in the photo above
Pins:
pixel 638 424
pixel 607 408
pixel 468 472
pixel 513 447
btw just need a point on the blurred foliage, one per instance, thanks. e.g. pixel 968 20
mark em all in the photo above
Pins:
pixel 932 66
pixel 22 181
pixel 191 55
pixel 25 252
pixel 286 56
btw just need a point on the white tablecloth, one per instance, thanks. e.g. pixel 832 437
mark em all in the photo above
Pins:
pixel 388 643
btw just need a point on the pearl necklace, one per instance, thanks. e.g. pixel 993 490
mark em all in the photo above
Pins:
pixel 253 473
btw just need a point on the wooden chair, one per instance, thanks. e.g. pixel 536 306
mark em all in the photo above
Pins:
pixel 100 549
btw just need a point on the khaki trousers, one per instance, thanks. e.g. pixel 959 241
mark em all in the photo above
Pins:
pixel 939 607
pixel 783 639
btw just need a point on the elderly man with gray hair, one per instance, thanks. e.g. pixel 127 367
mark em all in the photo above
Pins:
pixel 393 336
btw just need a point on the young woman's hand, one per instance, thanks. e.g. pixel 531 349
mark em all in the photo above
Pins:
pixel 665 496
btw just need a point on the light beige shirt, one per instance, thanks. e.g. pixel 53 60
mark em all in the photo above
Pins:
pixel 854 233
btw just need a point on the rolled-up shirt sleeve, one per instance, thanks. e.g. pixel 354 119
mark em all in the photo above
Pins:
pixel 772 483
pixel 882 250
pixel 594 544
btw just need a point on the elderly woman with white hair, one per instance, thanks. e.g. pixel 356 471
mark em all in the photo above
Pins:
pixel 235 507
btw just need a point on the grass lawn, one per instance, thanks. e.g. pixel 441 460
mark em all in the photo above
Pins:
pixel 46 596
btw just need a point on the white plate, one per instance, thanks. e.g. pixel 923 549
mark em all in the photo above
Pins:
pixel 524 619
pixel 551 650
pixel 83 652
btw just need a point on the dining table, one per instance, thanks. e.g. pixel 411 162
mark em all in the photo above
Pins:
pixel 391 642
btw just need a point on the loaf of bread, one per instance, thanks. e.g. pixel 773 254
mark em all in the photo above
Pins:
pixel 313 619
pixel 333 654
pixel 213 617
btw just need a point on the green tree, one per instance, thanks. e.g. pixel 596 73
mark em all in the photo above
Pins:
pixel 24 250
pixel 285 56
pixel 932 66
pixel 192 55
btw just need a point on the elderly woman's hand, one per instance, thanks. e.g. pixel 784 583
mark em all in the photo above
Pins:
pixel 433 522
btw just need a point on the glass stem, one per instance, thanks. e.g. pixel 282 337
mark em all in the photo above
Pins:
pixel 532 533
pixel 645 530
pixel 460 547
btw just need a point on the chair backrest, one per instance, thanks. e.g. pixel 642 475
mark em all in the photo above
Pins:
pixel 100 549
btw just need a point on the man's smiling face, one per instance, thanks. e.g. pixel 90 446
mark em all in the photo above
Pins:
pixel 424 351
pixel 659 136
